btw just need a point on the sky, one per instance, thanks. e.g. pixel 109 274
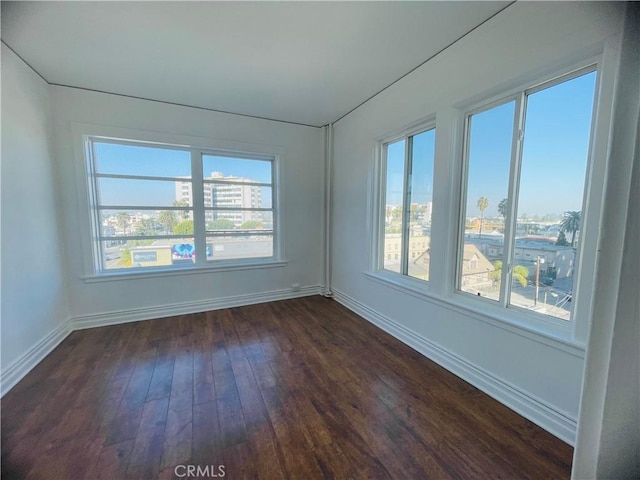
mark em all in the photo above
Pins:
pixel 557 127
pixel 161 162
pixel 422 169
pixel 554 157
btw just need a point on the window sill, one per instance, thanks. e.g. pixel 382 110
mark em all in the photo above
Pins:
pixel 155 273
pixel 548 332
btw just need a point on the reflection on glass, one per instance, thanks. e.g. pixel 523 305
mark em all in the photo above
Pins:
pixel 145 223
pixel 553 170
pixel 151 253
pixel 219 195
pixel 394 201
pixel 111 158
pixel 490 136
pixel 225 220
pixel 226 169
pixel 239 247
pixel 144 193
pixel 422 156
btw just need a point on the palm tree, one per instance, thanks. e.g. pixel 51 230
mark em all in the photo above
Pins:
pixel 502 209
pixel 571 223
pixel 483 203
pixel 167 219
pixel 122 220
pixel 182 203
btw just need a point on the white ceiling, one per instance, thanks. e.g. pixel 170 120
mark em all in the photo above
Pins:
pixel 302 62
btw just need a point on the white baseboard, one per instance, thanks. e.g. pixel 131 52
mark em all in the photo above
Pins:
pixel 16 371
pixel 546 416
pixel 11 375
pixel 138 314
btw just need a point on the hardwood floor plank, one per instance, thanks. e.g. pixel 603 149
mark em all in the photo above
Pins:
pixel 112 461
pixel 203 386
pixel 206 434
pixel 291 389
pixel 160 385
pixel 262 441
pixel 126 421
pixel 147 448
pixel 299 460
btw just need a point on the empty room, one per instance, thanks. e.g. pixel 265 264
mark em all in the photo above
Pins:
pixel 307 240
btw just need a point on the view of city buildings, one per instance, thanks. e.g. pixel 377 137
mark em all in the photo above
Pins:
pixel 225 195
pixel 241 200
pixel 539 248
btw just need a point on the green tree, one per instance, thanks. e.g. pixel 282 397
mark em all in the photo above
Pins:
pixel 220 224
pixel 502 208
pixel 182 203
pixel 122 221
pixel 125 258
pixel 185 227
pixel 146 226
pixel 562 239
pixel 251 225
pixel 139 243
pixel 167 219
pixel 482 204
pixel 571 223
pixel 520 273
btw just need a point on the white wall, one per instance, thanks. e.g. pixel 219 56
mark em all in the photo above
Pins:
pixel 302 174
pixel 537 376
pixel 34 293
pixel 608 444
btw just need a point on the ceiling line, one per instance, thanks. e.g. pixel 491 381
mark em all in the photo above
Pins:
pixel 185 105
pixel 267 118
pixel 154 100
pixel 24 61
pixel 427 60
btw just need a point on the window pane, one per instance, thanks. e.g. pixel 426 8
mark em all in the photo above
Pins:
pixel 489 157
pixel 554 162
pixel 229 248
pixel 422 156
pixel 217 220
pixel 134 160
pixel 143 193
pixel 118 223
pixel 237 196
pixel 394 201
pixel 236 169
pixel 151 253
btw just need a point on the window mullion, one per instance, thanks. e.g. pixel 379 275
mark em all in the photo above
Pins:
pixel 512 207
pixel 406 210
pixel 94 202
pixel 199 227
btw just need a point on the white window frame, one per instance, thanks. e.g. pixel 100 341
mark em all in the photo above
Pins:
pixel 377 265
pixel 448 169
pixel 83 134
pixel 591 208
pixel 520 99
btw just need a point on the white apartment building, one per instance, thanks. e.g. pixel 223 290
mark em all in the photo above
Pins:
pixel 234 193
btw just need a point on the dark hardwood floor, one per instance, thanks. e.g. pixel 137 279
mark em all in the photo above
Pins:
pixel 298 389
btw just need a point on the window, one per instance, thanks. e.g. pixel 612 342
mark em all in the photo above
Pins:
pixel 524 183
pixel 408 196
pixel 165 207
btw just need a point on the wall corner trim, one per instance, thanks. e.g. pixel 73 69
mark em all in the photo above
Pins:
pixel 21 366
pixel 542 414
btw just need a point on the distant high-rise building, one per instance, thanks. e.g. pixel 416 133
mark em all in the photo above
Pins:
pixel 229 193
